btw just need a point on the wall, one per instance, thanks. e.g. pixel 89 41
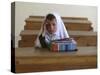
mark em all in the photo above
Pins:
pixel 24 9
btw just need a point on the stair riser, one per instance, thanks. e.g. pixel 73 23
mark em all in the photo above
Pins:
pixel 81 41
pixel 69 26
pixel 25 44
pixel 31 38
pixel 63 64
pixel 76 37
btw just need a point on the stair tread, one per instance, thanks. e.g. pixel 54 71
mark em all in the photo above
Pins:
pixel 85 33
pixel 31 51
pixel 64 20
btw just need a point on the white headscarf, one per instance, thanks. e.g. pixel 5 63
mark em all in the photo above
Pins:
pixel 60 33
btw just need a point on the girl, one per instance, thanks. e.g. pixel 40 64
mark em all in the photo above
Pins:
pixel 52 28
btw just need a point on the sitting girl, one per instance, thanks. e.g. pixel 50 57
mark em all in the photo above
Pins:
pixel 52 28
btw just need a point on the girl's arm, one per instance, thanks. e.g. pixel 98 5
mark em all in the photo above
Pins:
pixel 42 41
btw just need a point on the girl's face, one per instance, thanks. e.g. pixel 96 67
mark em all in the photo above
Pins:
pixel 51 26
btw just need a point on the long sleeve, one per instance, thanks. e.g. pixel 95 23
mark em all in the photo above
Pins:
pixel 42 41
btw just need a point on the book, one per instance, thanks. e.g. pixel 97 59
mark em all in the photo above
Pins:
pixel 63 45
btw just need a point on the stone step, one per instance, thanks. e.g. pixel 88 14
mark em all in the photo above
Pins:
pixel 31 59
pixel 86 21
pixel 73 18
pixel 77 33
pixel 80 27
pixel 71 23
pixel 42 52
pixel 83 38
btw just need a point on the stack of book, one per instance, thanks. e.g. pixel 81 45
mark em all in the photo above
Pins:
pixel 62 45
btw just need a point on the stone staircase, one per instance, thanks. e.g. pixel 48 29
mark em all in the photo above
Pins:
pixel 30 59
pixel 78 28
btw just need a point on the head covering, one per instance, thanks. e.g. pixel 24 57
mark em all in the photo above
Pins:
pixel 60 33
